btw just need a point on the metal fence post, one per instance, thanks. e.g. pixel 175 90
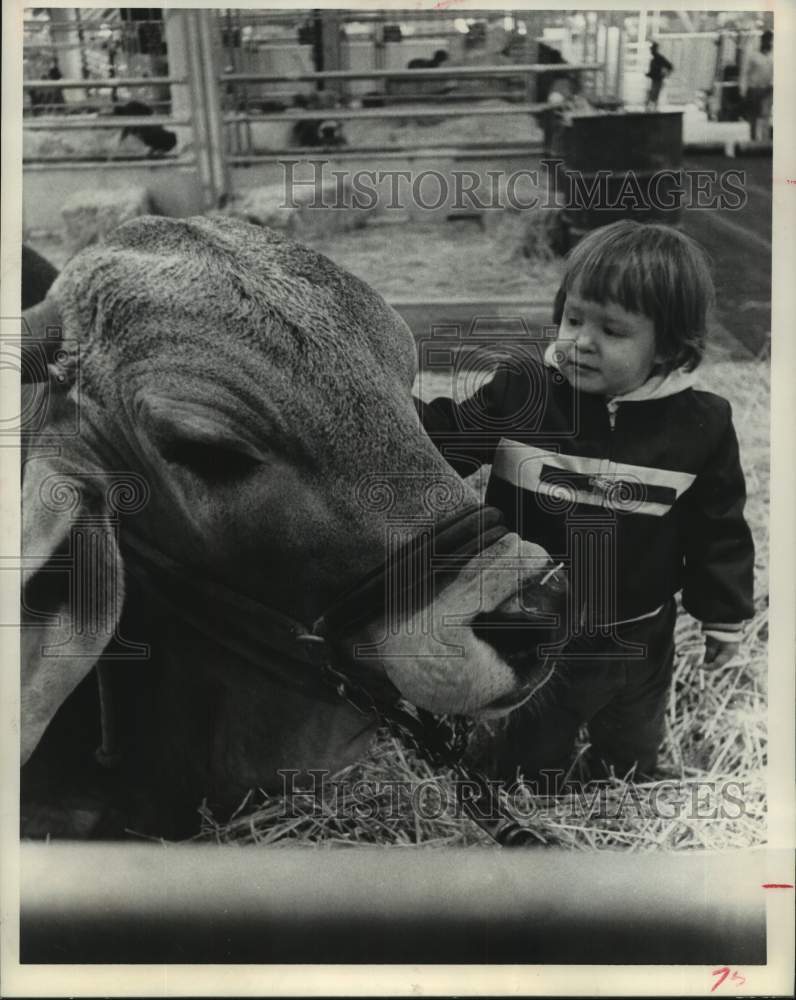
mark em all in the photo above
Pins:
pixel 210 62
pixel 205 105
pixel 181 106
pixel 63 24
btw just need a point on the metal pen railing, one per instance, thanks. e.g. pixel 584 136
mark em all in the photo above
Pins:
pixel 242 120
pixel 128 903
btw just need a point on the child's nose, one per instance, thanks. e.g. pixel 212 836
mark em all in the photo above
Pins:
pixel 584 340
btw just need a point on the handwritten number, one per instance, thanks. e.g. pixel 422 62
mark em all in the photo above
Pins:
pixel 723 972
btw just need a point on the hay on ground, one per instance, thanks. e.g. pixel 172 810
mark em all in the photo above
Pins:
pixel 712 791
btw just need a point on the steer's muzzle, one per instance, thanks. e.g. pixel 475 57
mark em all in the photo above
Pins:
pixel 522 631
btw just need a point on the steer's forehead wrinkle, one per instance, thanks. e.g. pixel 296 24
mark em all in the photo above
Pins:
pixel 244 280
pixel 197 308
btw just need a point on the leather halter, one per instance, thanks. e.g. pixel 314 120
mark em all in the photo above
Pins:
pixel 279 644
pixel 433 555
pixel 447 548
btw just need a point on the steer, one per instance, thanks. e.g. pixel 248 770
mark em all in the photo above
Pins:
pixel 233 446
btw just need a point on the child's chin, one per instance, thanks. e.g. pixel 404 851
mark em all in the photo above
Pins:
pixel 586 381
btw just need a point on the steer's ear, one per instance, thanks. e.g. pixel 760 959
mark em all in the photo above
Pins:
pixel 72 586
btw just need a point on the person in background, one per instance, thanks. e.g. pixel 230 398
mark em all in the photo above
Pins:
pixel 55 94
pixel 564 98
pixel 756 85
pixel 46 100
pixel 660 68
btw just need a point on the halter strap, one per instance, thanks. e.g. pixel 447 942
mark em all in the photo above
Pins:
pixel 281 645
pixel 261 635
pixel 432 556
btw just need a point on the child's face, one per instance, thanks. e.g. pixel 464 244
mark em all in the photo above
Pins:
pixel 607 350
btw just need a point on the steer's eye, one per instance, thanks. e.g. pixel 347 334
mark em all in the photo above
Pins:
pixel 213 462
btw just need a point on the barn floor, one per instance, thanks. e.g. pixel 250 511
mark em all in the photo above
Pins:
pixel 717 725
pixel 716 734
pixel 464 259
pixel 454 259
pixel 416 260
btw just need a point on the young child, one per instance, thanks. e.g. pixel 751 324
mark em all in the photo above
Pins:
pixel 604 454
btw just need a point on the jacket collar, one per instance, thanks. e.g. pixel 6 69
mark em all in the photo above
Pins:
pixel 656 387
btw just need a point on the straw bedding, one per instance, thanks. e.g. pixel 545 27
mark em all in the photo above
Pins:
pixel 711 791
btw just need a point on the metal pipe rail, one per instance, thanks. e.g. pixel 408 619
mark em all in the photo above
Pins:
pixel 104 83
pixel 55 46
pixel 341 114
pixel 509 95
pixel 117 121
pixel 472 151
pixel 183 162
pixel 132 903
pixel 464 72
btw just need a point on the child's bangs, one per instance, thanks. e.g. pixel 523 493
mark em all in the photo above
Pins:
pixel 614 274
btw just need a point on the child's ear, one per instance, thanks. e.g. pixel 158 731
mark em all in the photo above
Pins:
pixel 661 359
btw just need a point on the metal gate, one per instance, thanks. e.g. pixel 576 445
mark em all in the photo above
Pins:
pixel 98 81
pixel 123 91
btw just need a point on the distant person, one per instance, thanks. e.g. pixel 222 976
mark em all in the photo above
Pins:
pixel 548 56
pixel 439 57
pixel 45 100
pixel 563 97
pixel 660 68
pixel 756 84
pixel 55 95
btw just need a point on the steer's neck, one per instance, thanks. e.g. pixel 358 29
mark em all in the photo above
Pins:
pixel 221 722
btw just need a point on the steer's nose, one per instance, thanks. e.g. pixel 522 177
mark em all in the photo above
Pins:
pixel 520 628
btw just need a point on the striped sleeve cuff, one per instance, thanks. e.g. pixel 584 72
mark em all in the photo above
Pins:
pixel 723 631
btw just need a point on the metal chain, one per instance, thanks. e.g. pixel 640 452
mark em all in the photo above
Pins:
pixel 442 740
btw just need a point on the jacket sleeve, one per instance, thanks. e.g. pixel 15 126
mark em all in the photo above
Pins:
pixel 465 432
pixel 719 552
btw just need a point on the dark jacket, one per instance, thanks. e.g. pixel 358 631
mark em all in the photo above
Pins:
pixel 659 67
pixel 660 493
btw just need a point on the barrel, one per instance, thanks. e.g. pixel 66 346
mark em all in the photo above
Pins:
pixel 622 165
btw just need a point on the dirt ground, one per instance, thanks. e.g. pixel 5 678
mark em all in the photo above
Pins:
pixel 456 259
pixel 412 260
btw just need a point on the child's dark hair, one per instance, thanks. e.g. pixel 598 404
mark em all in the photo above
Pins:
pixel 650 269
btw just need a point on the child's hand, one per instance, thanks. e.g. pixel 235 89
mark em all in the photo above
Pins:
pixel 718 652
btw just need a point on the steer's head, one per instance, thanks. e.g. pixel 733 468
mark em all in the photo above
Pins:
pixel 256 400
